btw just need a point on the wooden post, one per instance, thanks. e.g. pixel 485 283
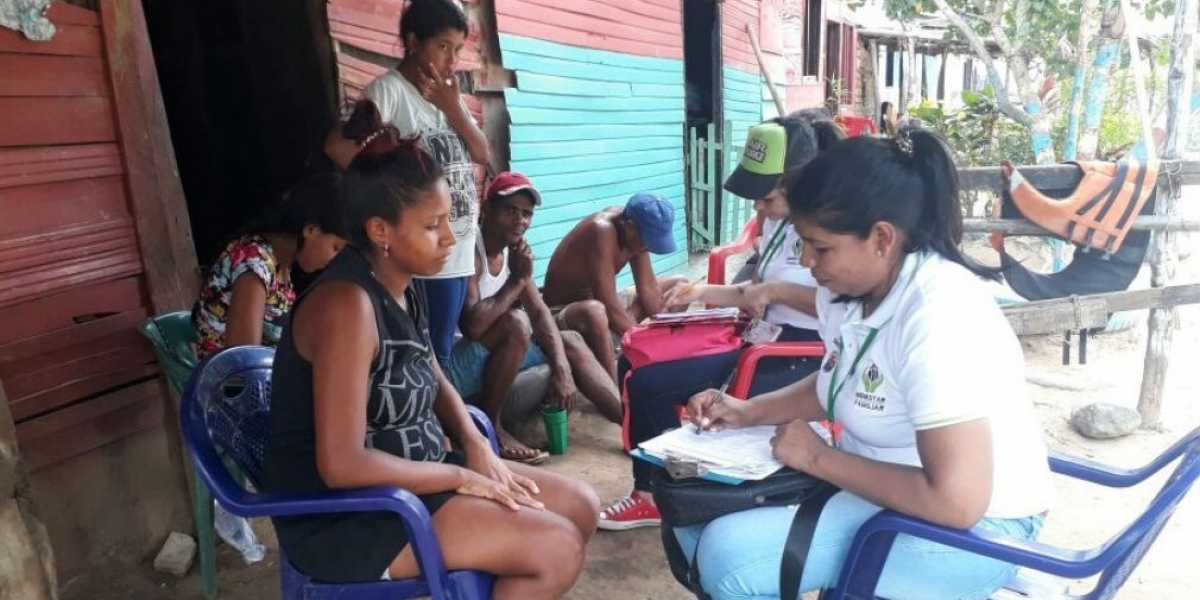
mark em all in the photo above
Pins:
pixel 1163 255
pixel 26 560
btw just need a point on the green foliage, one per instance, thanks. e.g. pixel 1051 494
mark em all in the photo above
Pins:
pixel 978 133
pixel 1046 27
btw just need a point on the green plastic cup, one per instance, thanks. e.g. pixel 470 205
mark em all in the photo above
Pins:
pixel 555 419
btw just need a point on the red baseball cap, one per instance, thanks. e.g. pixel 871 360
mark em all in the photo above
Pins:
pixel 508 183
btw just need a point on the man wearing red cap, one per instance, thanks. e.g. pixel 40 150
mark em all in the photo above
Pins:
pixel 586 262
pixel 504 312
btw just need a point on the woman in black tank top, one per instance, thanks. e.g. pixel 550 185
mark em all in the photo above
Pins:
pixel 359 401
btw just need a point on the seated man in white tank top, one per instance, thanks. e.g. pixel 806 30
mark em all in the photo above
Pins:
pixel 504 312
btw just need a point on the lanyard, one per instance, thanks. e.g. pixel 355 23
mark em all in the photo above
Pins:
pixel 831 397
pixel 771 250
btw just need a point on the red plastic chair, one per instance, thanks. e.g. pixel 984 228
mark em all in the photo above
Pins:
pixel 719 255
pixel 855 125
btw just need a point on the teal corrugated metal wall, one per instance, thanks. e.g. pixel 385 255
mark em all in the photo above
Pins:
pixel 742 94
pixel 591 128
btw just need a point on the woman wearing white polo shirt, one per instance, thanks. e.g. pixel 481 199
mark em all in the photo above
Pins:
pixel 922 374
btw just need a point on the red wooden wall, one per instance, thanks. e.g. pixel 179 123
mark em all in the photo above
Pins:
pixel 72 282
pixel 641 27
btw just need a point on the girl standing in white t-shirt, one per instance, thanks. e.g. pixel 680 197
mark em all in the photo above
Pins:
pixel 421 97
pixel 922 375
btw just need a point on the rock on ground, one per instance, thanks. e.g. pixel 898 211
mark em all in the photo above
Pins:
pixel 1103 420
pixel 176 555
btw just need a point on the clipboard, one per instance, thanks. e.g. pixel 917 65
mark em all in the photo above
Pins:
pixel 730 456
pixel 681 468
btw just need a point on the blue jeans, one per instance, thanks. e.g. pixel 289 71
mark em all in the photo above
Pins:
pixel 444 300
pixel 739 555
pixel 469 359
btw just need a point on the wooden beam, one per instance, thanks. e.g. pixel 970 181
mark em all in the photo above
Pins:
pixel 155 193
pixel 1087 312
pixel 1066 176
pixel 1164 251
pixel 1023 227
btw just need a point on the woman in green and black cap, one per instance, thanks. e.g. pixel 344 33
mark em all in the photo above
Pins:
pixel 781 292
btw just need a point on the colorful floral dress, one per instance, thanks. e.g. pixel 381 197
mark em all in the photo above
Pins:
pixel 247 254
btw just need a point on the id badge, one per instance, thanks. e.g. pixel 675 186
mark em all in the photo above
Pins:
pixel 761 332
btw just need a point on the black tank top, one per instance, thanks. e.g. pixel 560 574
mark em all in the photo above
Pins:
pixel 400 417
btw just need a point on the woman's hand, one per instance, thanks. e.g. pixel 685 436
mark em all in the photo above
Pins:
pixel 684 293
pixel 757 297
pixel 475 484
pixel 440 90
pixel 796 445
pixel 505 487
pixel 712 410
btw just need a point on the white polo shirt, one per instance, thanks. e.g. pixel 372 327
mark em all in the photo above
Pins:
pixel 780 261
pixel 942 354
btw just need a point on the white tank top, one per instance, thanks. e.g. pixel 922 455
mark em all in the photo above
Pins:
pixel 490 284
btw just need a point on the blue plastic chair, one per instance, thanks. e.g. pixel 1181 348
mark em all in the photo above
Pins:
pixel 1114 560
pixel 226 405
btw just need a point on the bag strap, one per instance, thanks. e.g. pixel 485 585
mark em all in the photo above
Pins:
pixel 686 572
pixel 795 549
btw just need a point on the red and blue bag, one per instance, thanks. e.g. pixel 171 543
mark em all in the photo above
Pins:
pixel 667 340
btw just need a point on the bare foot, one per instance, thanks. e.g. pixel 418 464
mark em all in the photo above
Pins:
pixel 512 449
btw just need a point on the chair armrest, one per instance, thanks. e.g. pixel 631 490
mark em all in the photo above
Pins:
pixel 864 563
pixel 485 426
pixel 1099 473
pixel 748 361
pixel 413 514
pixel 717 256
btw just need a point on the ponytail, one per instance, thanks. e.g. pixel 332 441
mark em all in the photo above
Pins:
pixel 909 181
pixel 388 174
pixel 941 225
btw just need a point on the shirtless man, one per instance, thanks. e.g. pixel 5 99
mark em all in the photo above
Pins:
pixel 507 326
pixel 586 262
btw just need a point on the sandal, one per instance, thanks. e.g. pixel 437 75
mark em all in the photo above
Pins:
pixel 528 456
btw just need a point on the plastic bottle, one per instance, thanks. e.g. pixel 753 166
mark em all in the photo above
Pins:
pixel 236 532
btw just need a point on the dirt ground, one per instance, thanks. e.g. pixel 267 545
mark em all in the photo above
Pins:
pixel 630 565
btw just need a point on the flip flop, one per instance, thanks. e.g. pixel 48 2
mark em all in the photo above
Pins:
pixel 529 456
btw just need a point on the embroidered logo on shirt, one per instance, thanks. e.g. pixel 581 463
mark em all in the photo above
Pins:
pixel 831 359
pixel 872 378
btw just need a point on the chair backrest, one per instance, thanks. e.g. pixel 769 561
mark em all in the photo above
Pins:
pixel 172 335
pixel 1131 544
pixel 228 401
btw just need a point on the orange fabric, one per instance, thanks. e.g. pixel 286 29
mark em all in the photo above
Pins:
pixel 1101 210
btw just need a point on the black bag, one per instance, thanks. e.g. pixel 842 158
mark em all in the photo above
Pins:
pixel 693 500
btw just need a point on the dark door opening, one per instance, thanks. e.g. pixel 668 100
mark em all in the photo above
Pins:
pixel 835 85
pixel 248 91
pixel 702 62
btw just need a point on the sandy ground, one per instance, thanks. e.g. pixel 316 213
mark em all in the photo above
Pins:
pixel 630 565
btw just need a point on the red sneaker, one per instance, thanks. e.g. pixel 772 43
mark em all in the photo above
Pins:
pixel 630 512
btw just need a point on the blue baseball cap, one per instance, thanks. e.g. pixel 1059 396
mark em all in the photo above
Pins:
pixel 654 217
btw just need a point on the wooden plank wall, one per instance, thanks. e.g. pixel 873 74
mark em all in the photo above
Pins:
pixel 597 112
pixel 72 285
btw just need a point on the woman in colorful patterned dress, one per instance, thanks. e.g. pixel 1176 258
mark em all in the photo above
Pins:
pixel 248 292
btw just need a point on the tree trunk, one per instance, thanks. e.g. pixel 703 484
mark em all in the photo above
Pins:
pixel 26 560
pixel 1097 93
pixel 1087 21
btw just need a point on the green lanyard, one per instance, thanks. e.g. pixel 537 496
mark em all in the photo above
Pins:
pixel 831 398
pixel 771 250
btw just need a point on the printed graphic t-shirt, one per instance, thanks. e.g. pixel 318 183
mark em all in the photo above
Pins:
pixel 247 254
pixel 400 103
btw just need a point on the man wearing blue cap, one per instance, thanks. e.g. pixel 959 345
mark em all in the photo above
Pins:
pixel 585 264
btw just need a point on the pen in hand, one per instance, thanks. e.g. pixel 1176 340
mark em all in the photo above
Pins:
pixel 720 398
